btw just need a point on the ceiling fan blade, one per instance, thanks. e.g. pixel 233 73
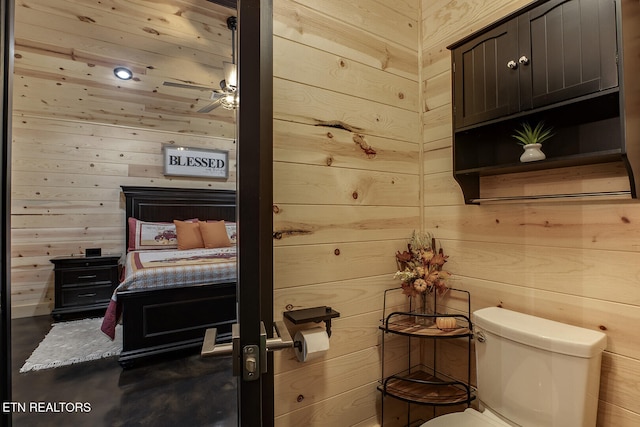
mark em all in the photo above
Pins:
pixel 211 106
pixel 216 95
pixel 185 86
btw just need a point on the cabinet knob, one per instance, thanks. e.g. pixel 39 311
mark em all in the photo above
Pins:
pixel 512 64
pixel 523 60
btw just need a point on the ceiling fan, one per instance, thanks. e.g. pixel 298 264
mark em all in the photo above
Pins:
pixel 227 95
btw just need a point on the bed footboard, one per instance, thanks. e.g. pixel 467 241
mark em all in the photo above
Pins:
pixel 165 320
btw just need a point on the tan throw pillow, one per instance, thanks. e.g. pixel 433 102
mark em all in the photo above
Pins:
pixel 214 234
pixel 189 236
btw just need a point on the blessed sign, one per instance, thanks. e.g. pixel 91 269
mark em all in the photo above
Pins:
pixel 182 161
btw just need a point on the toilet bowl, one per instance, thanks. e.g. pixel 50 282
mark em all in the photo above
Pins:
pixel 469 418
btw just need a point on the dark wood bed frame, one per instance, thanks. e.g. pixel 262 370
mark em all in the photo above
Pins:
pixel 166 320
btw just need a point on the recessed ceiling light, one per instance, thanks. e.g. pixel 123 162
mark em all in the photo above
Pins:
pixel 123 73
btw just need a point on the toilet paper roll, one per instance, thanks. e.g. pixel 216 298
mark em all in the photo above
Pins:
pixel 314 342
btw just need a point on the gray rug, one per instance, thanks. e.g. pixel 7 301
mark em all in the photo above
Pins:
pixel 73 342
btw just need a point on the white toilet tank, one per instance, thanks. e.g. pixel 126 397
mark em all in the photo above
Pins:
pixel 537 372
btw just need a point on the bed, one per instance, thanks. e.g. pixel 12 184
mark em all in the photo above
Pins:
pixel 167 319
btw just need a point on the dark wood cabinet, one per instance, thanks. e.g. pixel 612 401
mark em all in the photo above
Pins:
pixel 560 50
pixel 484 87
pixel 84 284
pixel 556 61
pixel 568 50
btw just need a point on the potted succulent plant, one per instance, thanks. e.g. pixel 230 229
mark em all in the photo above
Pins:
pixel 531 139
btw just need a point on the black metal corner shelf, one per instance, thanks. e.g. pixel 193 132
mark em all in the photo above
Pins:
pixel 423 386
pixel 419 383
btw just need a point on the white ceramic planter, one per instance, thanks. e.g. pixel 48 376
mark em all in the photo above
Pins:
pixel 532 153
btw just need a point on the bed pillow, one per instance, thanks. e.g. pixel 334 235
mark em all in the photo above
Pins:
pixel 188 233
pixel 144 235
pixel 214 234
pixel 231 232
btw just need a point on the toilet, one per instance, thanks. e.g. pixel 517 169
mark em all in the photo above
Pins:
pixel 531 372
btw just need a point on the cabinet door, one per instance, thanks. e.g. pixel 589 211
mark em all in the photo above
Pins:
pixel 571 50
pixel 484 85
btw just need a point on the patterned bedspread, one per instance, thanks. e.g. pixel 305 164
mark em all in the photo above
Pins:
pixel 170 268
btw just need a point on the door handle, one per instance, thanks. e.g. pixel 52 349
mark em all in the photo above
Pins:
pixel 247 361
pixel 281 337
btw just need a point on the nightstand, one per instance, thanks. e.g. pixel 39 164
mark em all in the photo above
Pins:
pixel 84 284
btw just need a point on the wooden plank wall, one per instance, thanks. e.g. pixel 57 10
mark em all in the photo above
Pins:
pixel 79 133
pixel 576 262
pixel 346 193
pixel 362 149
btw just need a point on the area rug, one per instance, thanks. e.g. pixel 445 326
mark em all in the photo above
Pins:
pixel 72 342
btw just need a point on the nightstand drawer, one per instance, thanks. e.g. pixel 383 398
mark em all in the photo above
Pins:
pixel 86 275
pixel 84 285
pixel 86 295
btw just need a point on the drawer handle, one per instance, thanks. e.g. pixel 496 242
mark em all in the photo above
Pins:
pixel 92 276
pixel 87 295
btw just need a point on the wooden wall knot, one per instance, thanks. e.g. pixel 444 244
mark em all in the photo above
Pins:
pixel 354 195
pixel 336 252
pixel 337 124
pixel 86 19
pixel 280 234
pixel 276 209
pixel 368 150
pixel 151 31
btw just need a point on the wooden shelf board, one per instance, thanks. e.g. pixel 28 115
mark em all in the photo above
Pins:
pixel 405 324
pixel 561 162
pixel 430 394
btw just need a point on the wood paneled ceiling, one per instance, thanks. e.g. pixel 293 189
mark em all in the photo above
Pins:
pixel 66 50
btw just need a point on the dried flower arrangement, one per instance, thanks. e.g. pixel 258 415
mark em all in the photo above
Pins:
pixel 420 267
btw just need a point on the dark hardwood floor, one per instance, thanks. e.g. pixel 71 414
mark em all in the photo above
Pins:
pixel 183 390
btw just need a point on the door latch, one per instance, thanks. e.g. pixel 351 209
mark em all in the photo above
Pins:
pixel 250 362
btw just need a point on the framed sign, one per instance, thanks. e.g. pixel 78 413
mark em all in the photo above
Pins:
pixel 183 161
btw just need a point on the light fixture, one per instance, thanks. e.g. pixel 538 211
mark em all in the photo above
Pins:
pixel 123 73
pixel 229 101
pixel 229 85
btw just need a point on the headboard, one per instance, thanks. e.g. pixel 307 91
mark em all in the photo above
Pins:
pixel 161 204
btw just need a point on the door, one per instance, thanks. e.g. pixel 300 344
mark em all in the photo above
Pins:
pixel 486 76
pixel 254 200
pixel 6 66
pixel 255 195
pixel 571 50
pixel 254 215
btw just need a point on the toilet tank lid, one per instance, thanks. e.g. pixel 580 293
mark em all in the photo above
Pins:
pixel 541 333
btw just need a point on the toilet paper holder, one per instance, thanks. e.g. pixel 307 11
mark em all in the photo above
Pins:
pixel 250 364
pixel 314 314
